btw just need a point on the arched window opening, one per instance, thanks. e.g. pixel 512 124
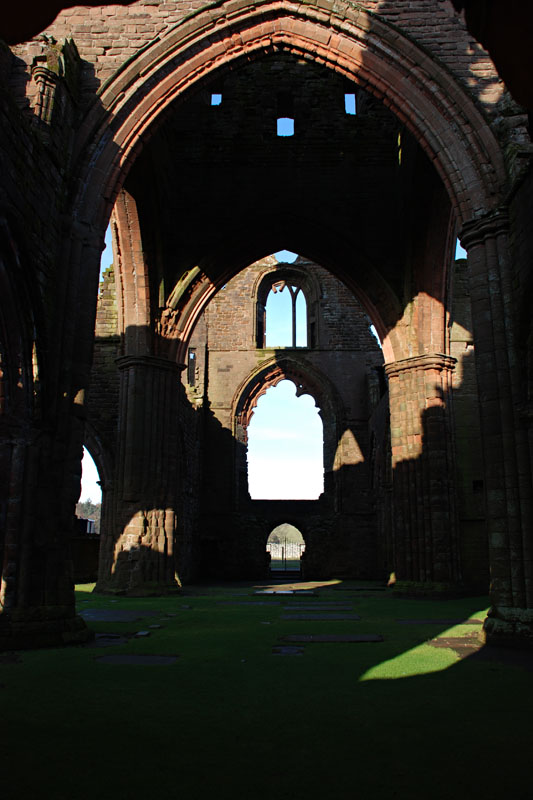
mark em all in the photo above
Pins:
pixel 89 505
pixel 350 104
pixel 106 259
pixel 286 316
pixel 286 546
pixel 285 446
pixel 460 252
pixel 375 334
pixel 285 257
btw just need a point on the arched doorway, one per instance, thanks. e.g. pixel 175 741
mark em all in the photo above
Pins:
pixel 286 546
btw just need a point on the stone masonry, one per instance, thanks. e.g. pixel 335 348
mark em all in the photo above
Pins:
pixel 107 116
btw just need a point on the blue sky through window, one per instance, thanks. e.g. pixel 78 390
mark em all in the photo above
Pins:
pixel 285 446
pixel 350 104
pixel 107 254
pixel 285 257
pixel 460 252
pixel 279 319
pixel 285 126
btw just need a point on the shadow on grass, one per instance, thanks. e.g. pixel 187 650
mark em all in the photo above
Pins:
pixel 401 718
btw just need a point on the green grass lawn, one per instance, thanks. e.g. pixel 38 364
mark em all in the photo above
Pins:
pixel 397 719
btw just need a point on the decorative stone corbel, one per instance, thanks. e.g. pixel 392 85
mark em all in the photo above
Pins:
pixel 57 65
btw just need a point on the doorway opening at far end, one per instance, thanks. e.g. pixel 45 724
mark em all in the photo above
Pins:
pixel 286 546
pixel 285 446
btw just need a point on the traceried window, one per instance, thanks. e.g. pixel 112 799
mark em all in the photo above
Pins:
pixel 287 305
pixel 285 316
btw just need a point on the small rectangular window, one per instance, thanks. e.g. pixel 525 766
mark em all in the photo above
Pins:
pixel 350 104
pixel 191 367
pixel 216 99
pixel 285 126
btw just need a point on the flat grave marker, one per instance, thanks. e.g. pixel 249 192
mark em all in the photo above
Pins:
pixel 332 638
pixel 326 617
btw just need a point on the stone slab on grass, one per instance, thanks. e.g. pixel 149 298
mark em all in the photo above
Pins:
pixel 471 646
pixel 332 638
pixel 318 607
pixel 138 660
pixel 463 646
pixel 116 614
pixel 288 650
pixel 249 603
pixel 440 621
pixel 294 592
pixel 107 640
pixel 359 588
pixel 326 617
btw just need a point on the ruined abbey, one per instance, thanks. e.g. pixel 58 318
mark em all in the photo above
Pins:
pixel 161 120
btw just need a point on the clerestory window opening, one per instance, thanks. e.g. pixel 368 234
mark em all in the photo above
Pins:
pixel 286 316
pixel 285 126
pixel 350 104
pixel 191 367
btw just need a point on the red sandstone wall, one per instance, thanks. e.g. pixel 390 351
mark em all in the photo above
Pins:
pixel 340 530
pixel 107 36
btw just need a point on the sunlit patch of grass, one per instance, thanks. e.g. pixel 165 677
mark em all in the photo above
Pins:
pixel 85 588
pixel 424 659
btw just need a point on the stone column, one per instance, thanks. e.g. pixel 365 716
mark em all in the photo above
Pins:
pixel 139 558
pixel 425 529
pixel 505 442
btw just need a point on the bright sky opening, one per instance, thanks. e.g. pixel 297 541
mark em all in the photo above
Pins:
pixel 285 446
pixel 90 490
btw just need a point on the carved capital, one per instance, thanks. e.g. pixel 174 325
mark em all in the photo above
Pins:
pixel 428 361
pixel 477 231
pixel 148 362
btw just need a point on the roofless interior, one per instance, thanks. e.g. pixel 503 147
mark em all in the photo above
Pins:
pixel 351 191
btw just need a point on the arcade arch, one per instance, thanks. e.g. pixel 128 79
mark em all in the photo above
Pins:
pixel 172 279
pixel 406 296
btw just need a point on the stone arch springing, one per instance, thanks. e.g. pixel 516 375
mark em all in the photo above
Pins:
pixel 196 288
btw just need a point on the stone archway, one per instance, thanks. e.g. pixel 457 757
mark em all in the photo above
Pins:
pixel 449 129
pixel 286 546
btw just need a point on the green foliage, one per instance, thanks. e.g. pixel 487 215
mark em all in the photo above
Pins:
pixel 90 510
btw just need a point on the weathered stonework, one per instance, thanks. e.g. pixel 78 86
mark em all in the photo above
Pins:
pixel 110 116
pixel 233 369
